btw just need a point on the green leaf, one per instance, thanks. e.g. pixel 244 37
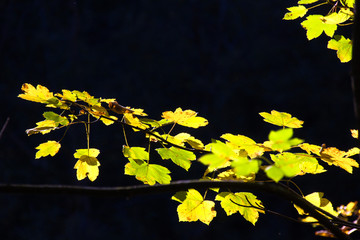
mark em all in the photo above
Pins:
pixel 135 153
pixel 194 207
pixel 281 140
pixel 56 118
pixel 243 167
pixel 87 166
pixel 315 26
pixel 295 12
pixel 214 161
pixel 47 148
pixel 281 119
pixel 343 47
pixel 148 173
pixel 241 202
pixel 179 156
pixel 274 173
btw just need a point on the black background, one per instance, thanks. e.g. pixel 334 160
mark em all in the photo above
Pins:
pixel 227 60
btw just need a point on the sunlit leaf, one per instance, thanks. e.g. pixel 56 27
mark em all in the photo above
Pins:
pixel 135 153
pixel 245 203
pixel 334 156
pixel 42 127
pixel 92 152
pixel 311 148
pixel 67 95
pixel 315 26
pixel 47 148
pixel 245 143
pixel 194 207
pixel 307 1
pixel 87 166
pixel 349 3
pixel 243 167
pixel 348 210
pixel 275 173
pixel 148 173
pixel 343 47
pixel 281 140
pixel 134 121
pixel 187 118
pixel 317 199
pixel 337 17
pixel 354 133
pixel 39 94
pixel 220 156
pixel 86 97
pixel 295 12
pixel 179 156
pixel 56 118
pixel 281 119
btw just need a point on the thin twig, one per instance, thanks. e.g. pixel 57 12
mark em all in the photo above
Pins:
pixel 4 127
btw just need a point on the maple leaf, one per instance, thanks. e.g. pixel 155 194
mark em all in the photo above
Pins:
pixel 135 153
pixel 241 202
pixel 187 118
pixel 56 118
pixel 39 94
pixel 281 140
pixel 220 156
pixel 147 173
pixel 67 95
pixel 134 121
pixel 42 127
pixel 343 47
pixel 245 143
pixel 193 207
pixel 47 148
pixel 315 25
pixel 281 119
pixel 179 156
pixel 334 156
pixel 88 164
pixel 317 199
pixel 295 12
pixel 337 17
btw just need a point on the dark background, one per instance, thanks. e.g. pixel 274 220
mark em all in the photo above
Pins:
pixel 228 60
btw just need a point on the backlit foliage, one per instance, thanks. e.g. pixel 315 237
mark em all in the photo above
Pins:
pixel 280 157
pixel 340 13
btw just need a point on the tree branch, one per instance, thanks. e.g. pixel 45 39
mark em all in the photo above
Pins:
pixel 127 191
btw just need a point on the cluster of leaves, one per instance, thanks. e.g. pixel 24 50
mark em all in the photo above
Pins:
pixel 236 157
pixel 341 13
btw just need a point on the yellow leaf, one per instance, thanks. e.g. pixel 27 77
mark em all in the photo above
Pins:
pixel 334 156
pixel 245 143
pixel 241 202
pixel 43 127
pixel 187 118
pixel 39 94
pixel 354 133
pixel 317 199
pixel 48 148
pixel 134 121
pixel 87 166
pixel 195 208
pixel 281 119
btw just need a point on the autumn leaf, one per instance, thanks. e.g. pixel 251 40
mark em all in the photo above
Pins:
pixel 179 156
pixel 47 148
pixel 67 95
pixel 281 119
pixel 307 1
pixel 88 164
pixel 343 47
pixel 295 12
pixel 317 199
pixel 245 143
pixel 193 207
pixel 147 173
pixel 135 153
pixel 334 156
pixel 315 25
pixel 42 127
pixel 354 133
pixel 39 94
pixel 187 118
pixel 241 202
